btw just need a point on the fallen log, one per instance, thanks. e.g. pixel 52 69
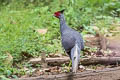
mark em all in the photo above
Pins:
pixel 106 74
pixel 51 61
pixel 83 61
pixel 100 60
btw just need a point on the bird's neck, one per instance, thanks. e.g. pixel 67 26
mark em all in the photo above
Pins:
pixel 63 24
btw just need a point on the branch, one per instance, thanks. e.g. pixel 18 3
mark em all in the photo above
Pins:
pixel 84 61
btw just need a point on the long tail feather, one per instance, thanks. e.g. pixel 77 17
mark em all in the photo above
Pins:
pixel 75 55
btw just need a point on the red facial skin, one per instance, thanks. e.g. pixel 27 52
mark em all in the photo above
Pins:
pixel 57 14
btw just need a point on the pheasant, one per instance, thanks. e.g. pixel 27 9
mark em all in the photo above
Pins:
pixel 72 40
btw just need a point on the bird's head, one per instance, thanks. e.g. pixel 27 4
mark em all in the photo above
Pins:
pixel 58 13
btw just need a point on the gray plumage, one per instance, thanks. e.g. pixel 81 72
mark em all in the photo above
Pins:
pixel 69 36
pixel 72 41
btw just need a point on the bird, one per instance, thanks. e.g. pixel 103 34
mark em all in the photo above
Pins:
pixel 72 40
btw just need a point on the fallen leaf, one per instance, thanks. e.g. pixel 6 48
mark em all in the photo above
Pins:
pixel 42 31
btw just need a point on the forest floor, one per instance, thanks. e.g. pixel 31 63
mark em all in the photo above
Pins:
pixel 85 72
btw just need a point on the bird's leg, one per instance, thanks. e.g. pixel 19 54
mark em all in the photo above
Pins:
pixel 70 63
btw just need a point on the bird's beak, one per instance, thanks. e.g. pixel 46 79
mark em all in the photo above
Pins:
pixel 53 16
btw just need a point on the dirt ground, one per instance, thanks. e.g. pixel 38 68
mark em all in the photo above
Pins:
pixel 114 45
pixel 106 74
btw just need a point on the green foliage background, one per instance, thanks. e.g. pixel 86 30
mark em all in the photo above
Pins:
pixel 20 18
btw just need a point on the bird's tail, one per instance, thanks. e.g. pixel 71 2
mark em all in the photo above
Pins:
pixel 75 56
